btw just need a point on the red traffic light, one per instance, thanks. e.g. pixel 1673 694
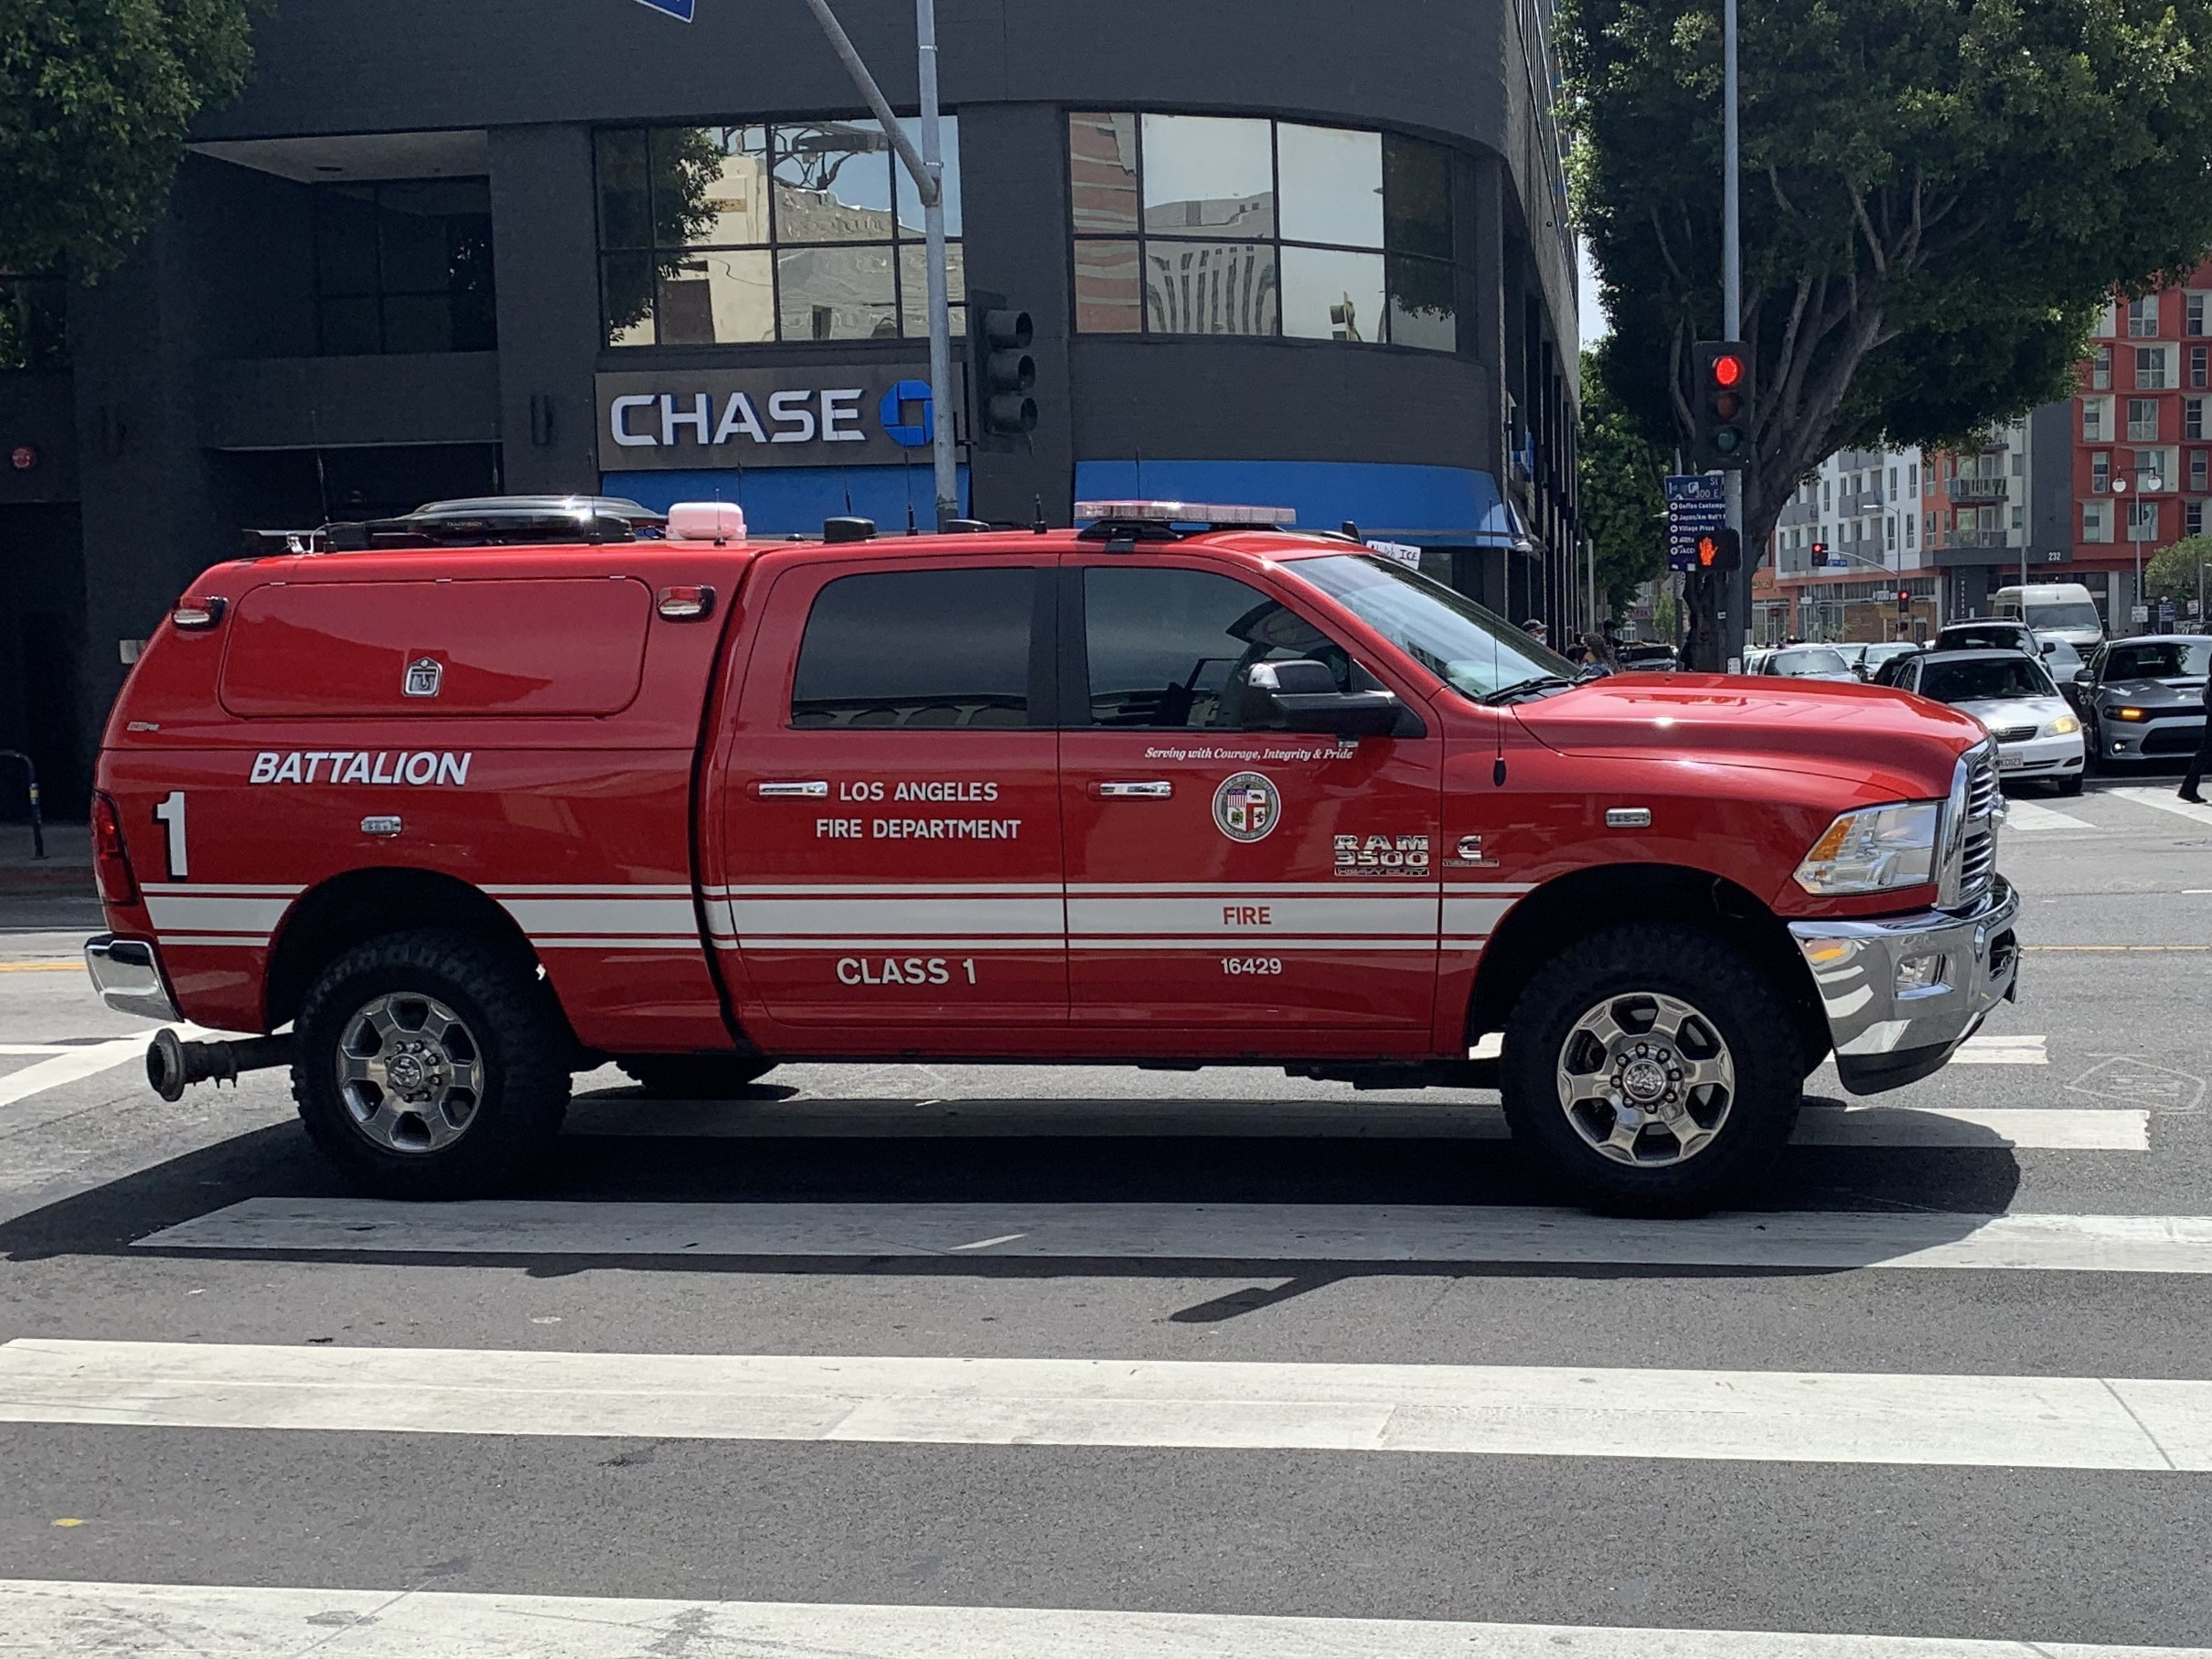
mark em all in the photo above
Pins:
pixel 1727 370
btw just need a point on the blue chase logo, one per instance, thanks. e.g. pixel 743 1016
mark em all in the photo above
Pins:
pixel 908 419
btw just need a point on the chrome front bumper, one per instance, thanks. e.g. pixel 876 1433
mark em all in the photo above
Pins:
pixel 127 977
pixel 1885 1036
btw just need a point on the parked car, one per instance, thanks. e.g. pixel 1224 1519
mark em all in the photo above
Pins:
pixel 1867 659
pixel 1646 658
pixel 1807 662
pixel 2144 698
pixel 2039 734
pixel 1988 635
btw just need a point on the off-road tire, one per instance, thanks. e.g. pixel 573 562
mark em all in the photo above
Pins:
pixel 695 1077
pixel 1728 992
pixel 518 1031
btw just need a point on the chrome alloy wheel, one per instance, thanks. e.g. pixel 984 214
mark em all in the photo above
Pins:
pixel 410 1073
pixel 1645 1079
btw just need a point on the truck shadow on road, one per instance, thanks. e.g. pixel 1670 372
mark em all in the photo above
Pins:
pixel 762 1151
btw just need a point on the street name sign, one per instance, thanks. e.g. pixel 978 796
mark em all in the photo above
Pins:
pixel 1696 503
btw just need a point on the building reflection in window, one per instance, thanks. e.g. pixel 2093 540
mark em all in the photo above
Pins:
pixel 1204 224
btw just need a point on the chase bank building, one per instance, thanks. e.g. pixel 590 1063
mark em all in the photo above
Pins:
pixel 1274 253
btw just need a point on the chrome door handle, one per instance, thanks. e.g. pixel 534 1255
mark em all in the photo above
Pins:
pixel 798 791
pixel 1158 789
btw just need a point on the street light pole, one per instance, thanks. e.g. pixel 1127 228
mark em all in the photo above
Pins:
pixel 1736 585
pixel 927 168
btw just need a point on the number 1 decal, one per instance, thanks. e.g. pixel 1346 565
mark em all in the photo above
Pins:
pixel 171 812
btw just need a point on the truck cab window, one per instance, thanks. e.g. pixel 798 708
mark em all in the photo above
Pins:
pixel 920 648
pixel 1171 647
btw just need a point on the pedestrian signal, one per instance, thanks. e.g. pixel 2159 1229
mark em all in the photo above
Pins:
pixel 1720 550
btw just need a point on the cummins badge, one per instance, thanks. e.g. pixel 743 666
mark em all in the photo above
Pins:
pixel 425 675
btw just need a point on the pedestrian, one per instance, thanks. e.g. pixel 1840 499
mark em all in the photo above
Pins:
pixel 1534 627
pixel 2201 762
pixel 1599 652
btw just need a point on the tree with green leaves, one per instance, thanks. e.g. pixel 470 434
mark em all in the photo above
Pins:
pixel 1621 473
pixel 1935 196
pixel 95 96
pixel 2181 572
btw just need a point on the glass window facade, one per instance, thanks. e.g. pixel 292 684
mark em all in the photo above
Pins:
pixel 404 266
pixel 1208 224
pixel 735 235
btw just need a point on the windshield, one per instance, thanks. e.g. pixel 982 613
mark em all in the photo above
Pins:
pixel 1799 664
pixel 2158 660
pixel 2001 636
pixel 2074 614
pixel 1989 677
pixel 1473 650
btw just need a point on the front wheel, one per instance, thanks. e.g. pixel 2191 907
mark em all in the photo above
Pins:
pixel 431 1064
pixel 1655 1067
pixel 2070 785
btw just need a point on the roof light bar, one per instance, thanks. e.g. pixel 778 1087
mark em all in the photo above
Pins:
pixel 1186 512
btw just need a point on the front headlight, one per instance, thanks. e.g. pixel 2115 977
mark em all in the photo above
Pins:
pixel 1873 851
pixel 2066 725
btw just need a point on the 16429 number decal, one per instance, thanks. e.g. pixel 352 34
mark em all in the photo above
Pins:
pixel 1244 965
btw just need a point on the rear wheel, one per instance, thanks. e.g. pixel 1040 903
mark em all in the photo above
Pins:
pixel 431 1064
pixel 1655 1067
pixel 695 1077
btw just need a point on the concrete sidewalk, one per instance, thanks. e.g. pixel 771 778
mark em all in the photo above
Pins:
pixel 52 893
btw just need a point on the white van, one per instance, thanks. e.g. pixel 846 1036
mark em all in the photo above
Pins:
pixel 2058 610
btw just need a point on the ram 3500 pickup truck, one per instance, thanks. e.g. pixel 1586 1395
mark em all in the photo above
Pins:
pixel 447 823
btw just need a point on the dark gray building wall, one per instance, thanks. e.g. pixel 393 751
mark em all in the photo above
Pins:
pixel 2050 469
pixel 545 259
pixel 38 411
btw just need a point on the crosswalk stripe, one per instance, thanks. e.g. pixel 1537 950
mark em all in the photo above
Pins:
pixel 2027 816
pixel 2164 800
pixel 68 1067
pixel 1987 1421
pixel 2007 1050
pixel 2080 1129
pixel 77 1620
pixel 1223 1232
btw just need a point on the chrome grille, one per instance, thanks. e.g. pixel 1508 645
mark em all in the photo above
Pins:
pixel 1978 856
pixel 2014 734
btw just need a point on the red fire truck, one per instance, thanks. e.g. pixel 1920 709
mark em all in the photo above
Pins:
pixel 455 809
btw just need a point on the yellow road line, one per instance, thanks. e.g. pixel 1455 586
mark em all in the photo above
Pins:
pixel 41 966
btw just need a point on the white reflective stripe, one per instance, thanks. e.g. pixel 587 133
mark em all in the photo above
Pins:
pixel 1451 886
pixel 905 945
pixel 209 914
pixel 878 889
pixel 721 922
pixel 1244 944
pixel 573 915
pixel 1472 915
pixel 1340 887
pixel 607 942
pixel 219 889
pixel 827 917
pixel 642 889
pixel 1340 913
pixel 250 941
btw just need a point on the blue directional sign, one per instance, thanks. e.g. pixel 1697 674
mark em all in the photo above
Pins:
pixel 678 9
pixel 1696 502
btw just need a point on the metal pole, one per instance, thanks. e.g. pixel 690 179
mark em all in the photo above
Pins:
pixel 926 167
pixel 1736 587
pixel 940 302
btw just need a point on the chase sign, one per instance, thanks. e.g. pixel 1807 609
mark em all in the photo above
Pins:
pixel 683 420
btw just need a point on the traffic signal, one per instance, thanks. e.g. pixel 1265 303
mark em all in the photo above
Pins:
pixel 1904 603
pixel 1001 369
pixel 1820 554
pixel 1722 441
pixel 1720 550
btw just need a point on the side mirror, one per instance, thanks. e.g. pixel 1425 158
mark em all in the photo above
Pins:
pixel 1302 696
pixel 2049 646
pixel 2081 679
pixel 1860 670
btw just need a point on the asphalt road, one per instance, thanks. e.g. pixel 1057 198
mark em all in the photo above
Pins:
pixel 1172 1432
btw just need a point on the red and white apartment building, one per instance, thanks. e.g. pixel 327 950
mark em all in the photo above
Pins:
pixel 2083 490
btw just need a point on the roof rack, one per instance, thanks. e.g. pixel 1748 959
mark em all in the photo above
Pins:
pixel 495 520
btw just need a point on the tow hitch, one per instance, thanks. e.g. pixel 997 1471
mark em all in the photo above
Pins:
pixel 174 1065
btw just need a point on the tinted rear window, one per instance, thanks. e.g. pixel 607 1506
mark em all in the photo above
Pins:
pixel 924 648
